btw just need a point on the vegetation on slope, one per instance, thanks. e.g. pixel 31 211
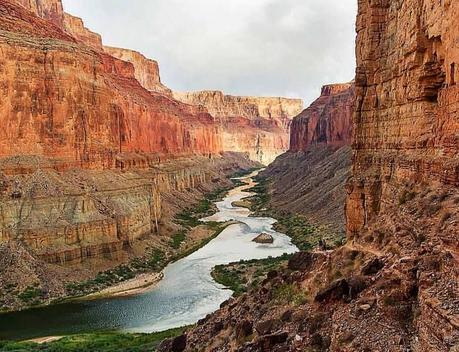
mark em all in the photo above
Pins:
pixel 97 342
pixel 244 276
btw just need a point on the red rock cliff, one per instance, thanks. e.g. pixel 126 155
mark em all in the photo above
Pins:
pixel 82 106
pixel 146 70
pixel 402 198
pixel 328 120
pixel 75 27
pixel 51 10
pixel 255 125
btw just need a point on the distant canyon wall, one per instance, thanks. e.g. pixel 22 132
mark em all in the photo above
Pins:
pixel 258 126
pixel 69 101
pixel 310 178
pixel 328 120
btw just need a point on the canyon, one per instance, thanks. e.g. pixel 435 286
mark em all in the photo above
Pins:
pixel 105 156
pixel 253 125
pixel 394 285
pixel 97 155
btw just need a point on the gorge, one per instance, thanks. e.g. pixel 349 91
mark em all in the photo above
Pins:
pixel 104 157
pixel 108 165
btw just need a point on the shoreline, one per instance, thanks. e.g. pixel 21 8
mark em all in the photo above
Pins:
pixel 135 286
pixel 146 281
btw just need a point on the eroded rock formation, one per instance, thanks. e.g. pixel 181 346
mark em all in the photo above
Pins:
pixel 309 179
pixel 254 125
pixel 75 27
pixel 85 107
pixel 405 173
pixel 327 121
pixel 394 285
pixel 146 70
pixel 51 10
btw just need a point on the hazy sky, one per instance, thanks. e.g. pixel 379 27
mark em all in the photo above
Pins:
pixel 246 47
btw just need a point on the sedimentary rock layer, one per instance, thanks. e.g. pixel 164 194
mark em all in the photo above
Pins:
pixel 146 70
pixel 255 125
pixel 328 120
pixel 406 151
pixel 64 100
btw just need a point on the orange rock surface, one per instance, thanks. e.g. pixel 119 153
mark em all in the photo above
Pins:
pixel 405 173
pixel 85 107
pixel 146 70
pixel 75 27
pixel 328 120
pixel 258 126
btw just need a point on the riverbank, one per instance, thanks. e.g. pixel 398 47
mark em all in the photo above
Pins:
pixel 181 232
pixel 96 342
pixel 244 276
pixel 186 294
pixel 192 235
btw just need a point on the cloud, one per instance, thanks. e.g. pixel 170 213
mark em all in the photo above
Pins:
pixel 246 47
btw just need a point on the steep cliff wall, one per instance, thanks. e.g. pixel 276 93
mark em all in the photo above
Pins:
pixel 405 173
pixel 328 120
pixel 84 107
pixel 146 70
pixel 309 179
pixel 257 126
pixel 227 106
pixel 51 10
pixel 75 27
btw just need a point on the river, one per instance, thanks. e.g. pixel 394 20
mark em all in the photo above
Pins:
pixel 186 294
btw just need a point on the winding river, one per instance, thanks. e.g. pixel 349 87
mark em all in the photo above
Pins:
pixel 186 294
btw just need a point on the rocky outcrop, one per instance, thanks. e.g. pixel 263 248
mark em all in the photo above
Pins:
pixel 257 126
pixel 405 172
pixel 309 179
pixel 327 121
pixel 51 10
pixel 146 70
pixel 75 27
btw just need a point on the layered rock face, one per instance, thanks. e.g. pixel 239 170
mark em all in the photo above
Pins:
pixel 327 121
pixel 85 107
pixel 75 27
pixel 146 70
pixel 51 10
pixel 75 120
pixel 309 179
pixel 405 172
pixel 257 126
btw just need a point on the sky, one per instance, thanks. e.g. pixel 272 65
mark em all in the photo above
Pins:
pixel 243 47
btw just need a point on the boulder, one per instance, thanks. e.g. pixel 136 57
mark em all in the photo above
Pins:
pixel 337 290
pixel 264 238
pixel 372 267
